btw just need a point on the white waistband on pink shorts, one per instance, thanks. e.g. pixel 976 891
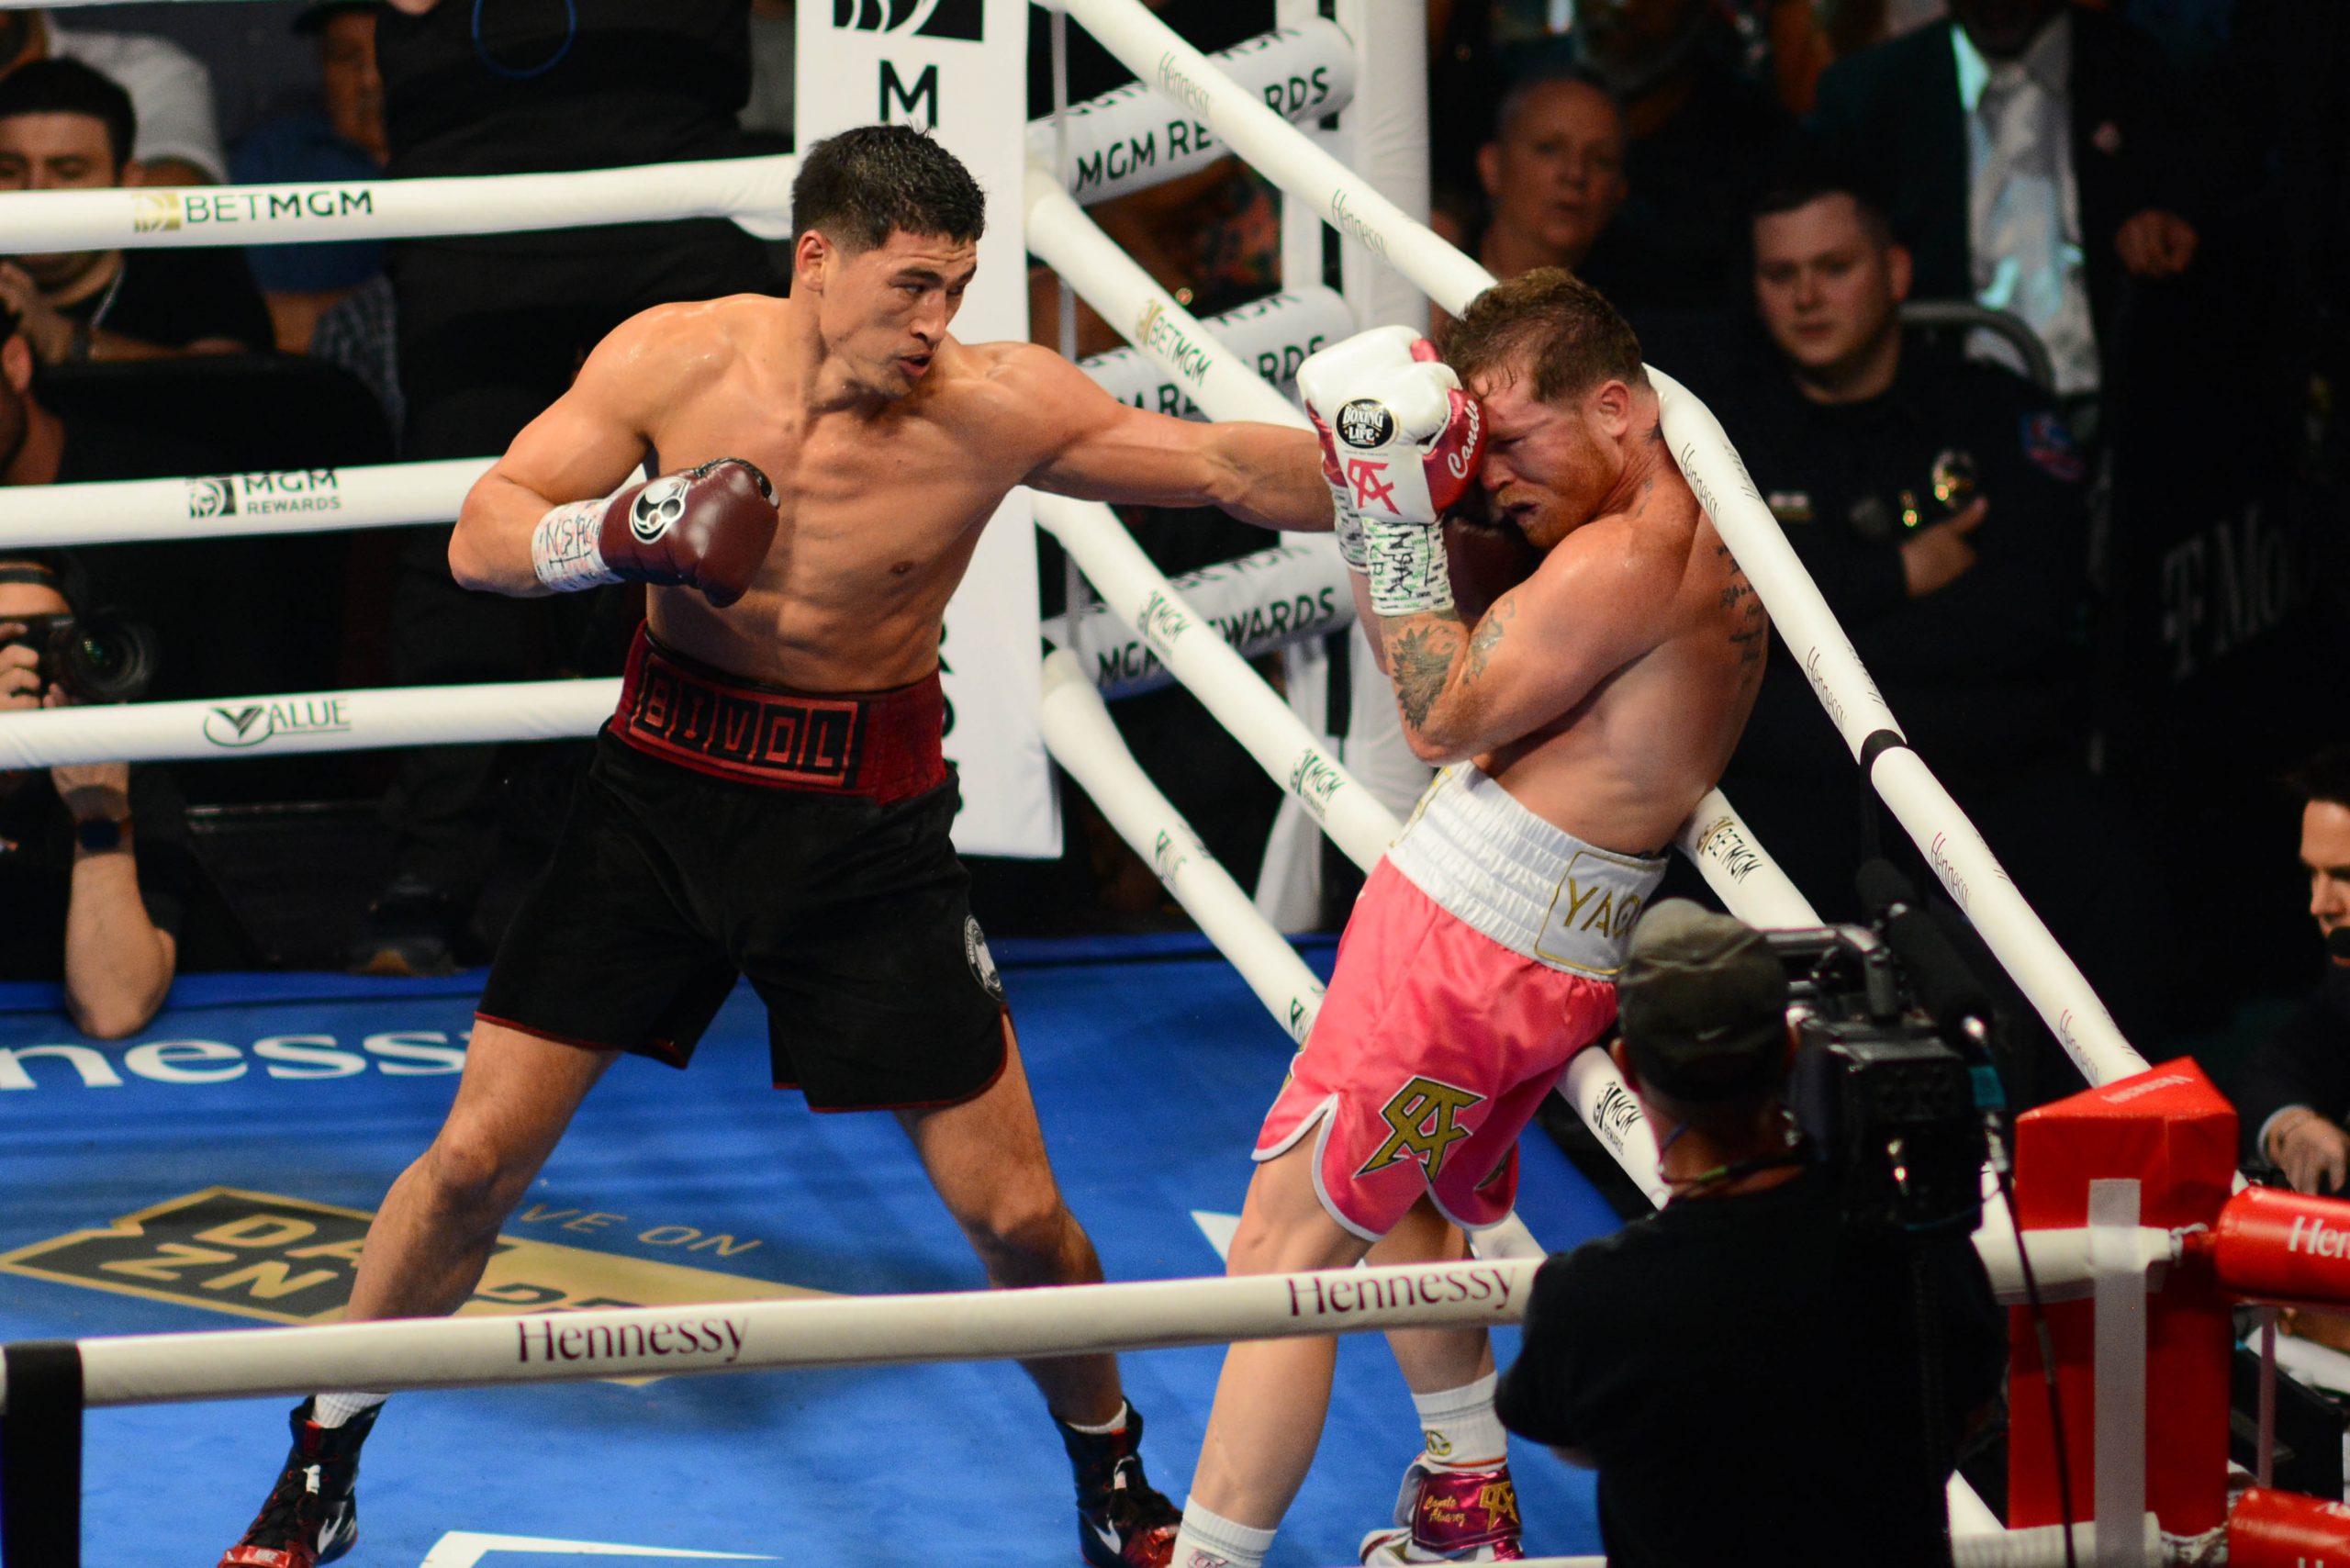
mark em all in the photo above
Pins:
pixel 1533 888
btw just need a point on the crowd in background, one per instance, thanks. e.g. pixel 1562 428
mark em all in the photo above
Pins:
pixel 2028 317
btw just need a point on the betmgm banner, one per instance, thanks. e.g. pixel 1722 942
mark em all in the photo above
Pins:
pixel 956 68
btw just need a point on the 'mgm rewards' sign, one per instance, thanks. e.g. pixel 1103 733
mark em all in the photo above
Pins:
pixel 957 68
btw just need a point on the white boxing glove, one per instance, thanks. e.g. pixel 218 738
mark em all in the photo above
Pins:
pixel 1401 444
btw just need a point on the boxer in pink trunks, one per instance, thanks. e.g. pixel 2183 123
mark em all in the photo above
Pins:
pixel 1582 713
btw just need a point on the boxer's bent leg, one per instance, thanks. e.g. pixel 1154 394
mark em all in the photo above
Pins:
pixel 430 1240
pixel 1433 1359
pixel 1272 1399
pixel 986 1157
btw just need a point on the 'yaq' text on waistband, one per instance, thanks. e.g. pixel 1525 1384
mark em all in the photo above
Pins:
pixel 1529 884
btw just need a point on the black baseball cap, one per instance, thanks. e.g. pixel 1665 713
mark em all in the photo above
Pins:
pixel 1703 1001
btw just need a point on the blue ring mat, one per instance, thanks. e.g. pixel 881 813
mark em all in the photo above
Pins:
pixel 257 1109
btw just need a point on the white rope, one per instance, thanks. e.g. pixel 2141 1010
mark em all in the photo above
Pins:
pixel 753 192
pixel 1147 46
pixel 1274 334
pixel 1196 655
pixel 1226 385
pixel 1131 138
pixel 307 721
pixel 889 1330
pixel 1079 733
pixel 2041 1546
pixel 236 505
pixel 1257 603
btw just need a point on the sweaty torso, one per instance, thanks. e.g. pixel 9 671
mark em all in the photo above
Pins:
pixel 879 511
pixel 1624 767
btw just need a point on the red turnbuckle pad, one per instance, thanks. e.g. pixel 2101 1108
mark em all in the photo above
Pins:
pixel 2284 1529
pixel 2273 1245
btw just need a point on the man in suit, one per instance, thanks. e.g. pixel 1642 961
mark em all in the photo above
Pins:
pixel 2296 1093
pixel 2024 151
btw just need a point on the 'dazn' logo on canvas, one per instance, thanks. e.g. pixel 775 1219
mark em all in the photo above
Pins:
pixel 292 1260
pixel 916 18
pixel 1424 1119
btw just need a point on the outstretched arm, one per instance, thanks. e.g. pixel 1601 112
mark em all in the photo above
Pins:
pixel 586 443
pixel 1108 451
pixel 1598 602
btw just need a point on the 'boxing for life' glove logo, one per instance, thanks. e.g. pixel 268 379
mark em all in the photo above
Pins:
pixel 1365 423
pixel 657 508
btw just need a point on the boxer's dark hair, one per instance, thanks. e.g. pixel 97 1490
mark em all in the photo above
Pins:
pixel 2325 777
pixel 1550 324
pixel 70 87
pixel 861 186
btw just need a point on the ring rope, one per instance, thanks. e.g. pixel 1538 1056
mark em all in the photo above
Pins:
pixel 1963 862
pixel 396 1354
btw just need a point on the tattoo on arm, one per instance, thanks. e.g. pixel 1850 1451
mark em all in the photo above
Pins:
pixel 1420 659
pixel 1488 635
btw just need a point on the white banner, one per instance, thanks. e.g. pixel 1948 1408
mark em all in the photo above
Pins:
pixel 958 68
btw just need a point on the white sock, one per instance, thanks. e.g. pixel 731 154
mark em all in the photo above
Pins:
pixel 1459 1427
pixel 1114 1425
pixel 335 1410
pixel 1210 1540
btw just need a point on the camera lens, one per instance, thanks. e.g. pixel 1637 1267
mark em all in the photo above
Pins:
pixel 111 661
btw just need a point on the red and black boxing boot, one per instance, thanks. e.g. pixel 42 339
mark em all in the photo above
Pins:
pixel 311 1516
pixel 1122 1520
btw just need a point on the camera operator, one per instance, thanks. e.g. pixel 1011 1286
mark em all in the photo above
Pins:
pixel 79 901
pixel 1742 1368
pixel 2296 1093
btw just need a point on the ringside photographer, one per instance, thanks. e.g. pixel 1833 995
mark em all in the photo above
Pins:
pixel 95 870
pixel 1746 1368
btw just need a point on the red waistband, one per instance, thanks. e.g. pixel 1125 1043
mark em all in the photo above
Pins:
pixel 880 744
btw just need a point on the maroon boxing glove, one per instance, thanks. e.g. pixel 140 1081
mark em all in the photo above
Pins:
pixel 708 528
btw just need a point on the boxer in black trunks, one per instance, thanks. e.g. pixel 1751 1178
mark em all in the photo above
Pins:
pixel 770 798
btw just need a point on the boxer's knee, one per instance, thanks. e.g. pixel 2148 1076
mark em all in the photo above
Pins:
pixel 1028 1237
pixel 473 1178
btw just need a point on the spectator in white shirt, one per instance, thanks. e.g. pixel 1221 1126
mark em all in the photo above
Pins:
pixel 179 135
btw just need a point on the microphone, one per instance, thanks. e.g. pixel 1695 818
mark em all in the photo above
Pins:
pixel 1947 986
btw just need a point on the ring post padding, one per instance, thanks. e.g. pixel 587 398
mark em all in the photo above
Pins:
pixel 753 192
pixel 1082 738
pixel 898 1331
pixel 40 1454
pixel 1196 655
pixel 1132 138
pixel 236 505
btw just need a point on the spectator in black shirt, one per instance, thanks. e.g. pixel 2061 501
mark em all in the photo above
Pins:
pixel 1743 1371
pixel 94 865
pixel 64 127
pixel 2295 1101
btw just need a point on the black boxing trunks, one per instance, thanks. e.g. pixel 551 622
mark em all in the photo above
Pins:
pixel 798 839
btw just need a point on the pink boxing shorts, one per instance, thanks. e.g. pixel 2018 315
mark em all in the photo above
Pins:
pixel 1479 958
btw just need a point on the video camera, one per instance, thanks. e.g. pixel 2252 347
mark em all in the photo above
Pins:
pixel 1893 1078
